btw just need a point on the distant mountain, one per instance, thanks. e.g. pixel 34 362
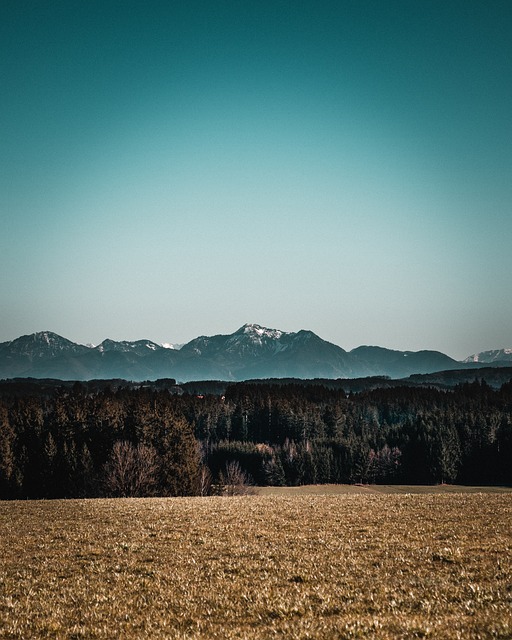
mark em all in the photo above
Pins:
pixel 44 344
pixel 399 364
pixel 257 352
pixel 29 353
pixel 250 352
pixel 139 347
pixel 487 357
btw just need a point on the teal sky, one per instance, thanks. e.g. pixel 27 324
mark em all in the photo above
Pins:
pixel 172 169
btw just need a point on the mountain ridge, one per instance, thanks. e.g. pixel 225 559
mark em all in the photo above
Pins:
pixel 252 351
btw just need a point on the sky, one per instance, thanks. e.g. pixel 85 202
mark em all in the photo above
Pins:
pixel 175 169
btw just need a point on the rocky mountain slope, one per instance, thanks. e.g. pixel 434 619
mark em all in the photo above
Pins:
pixel 495 355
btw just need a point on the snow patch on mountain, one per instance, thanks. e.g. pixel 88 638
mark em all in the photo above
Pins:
pixel 253 339
pixel 493 355
pixel 258 333
pixel 138 347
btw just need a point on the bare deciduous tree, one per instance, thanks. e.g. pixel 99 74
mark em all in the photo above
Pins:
pixel 131 471
pixel 234 481
pixel 204 481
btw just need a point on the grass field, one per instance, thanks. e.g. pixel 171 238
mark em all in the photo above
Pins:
pixel 365 489
pixel 356 565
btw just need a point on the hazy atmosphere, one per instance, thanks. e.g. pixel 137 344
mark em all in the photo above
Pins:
pixel 171 169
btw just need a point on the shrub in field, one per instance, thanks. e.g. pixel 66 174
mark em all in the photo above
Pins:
pixel 234 481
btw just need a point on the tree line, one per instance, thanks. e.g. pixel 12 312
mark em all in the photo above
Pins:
pixel 85 441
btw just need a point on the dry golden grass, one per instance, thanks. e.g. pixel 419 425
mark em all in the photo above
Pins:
pixel 344 489
pixel 334 566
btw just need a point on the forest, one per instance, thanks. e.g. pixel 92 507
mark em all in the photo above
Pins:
pixel 83 440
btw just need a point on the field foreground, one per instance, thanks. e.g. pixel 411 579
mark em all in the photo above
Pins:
pixel 308 566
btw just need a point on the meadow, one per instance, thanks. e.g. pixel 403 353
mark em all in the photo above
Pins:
pixel 354 565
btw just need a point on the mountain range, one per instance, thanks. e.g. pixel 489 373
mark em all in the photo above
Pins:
pixel 250 352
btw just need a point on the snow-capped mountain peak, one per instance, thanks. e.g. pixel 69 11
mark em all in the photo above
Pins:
pixel 254 337
pixel 138 347
pixel 171 345
pixel 42 344
pixel 257 332
pixel 494 355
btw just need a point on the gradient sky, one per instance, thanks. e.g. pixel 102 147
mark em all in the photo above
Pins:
pixel 173 169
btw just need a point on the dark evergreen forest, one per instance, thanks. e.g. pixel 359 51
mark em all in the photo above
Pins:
pixel 84 440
